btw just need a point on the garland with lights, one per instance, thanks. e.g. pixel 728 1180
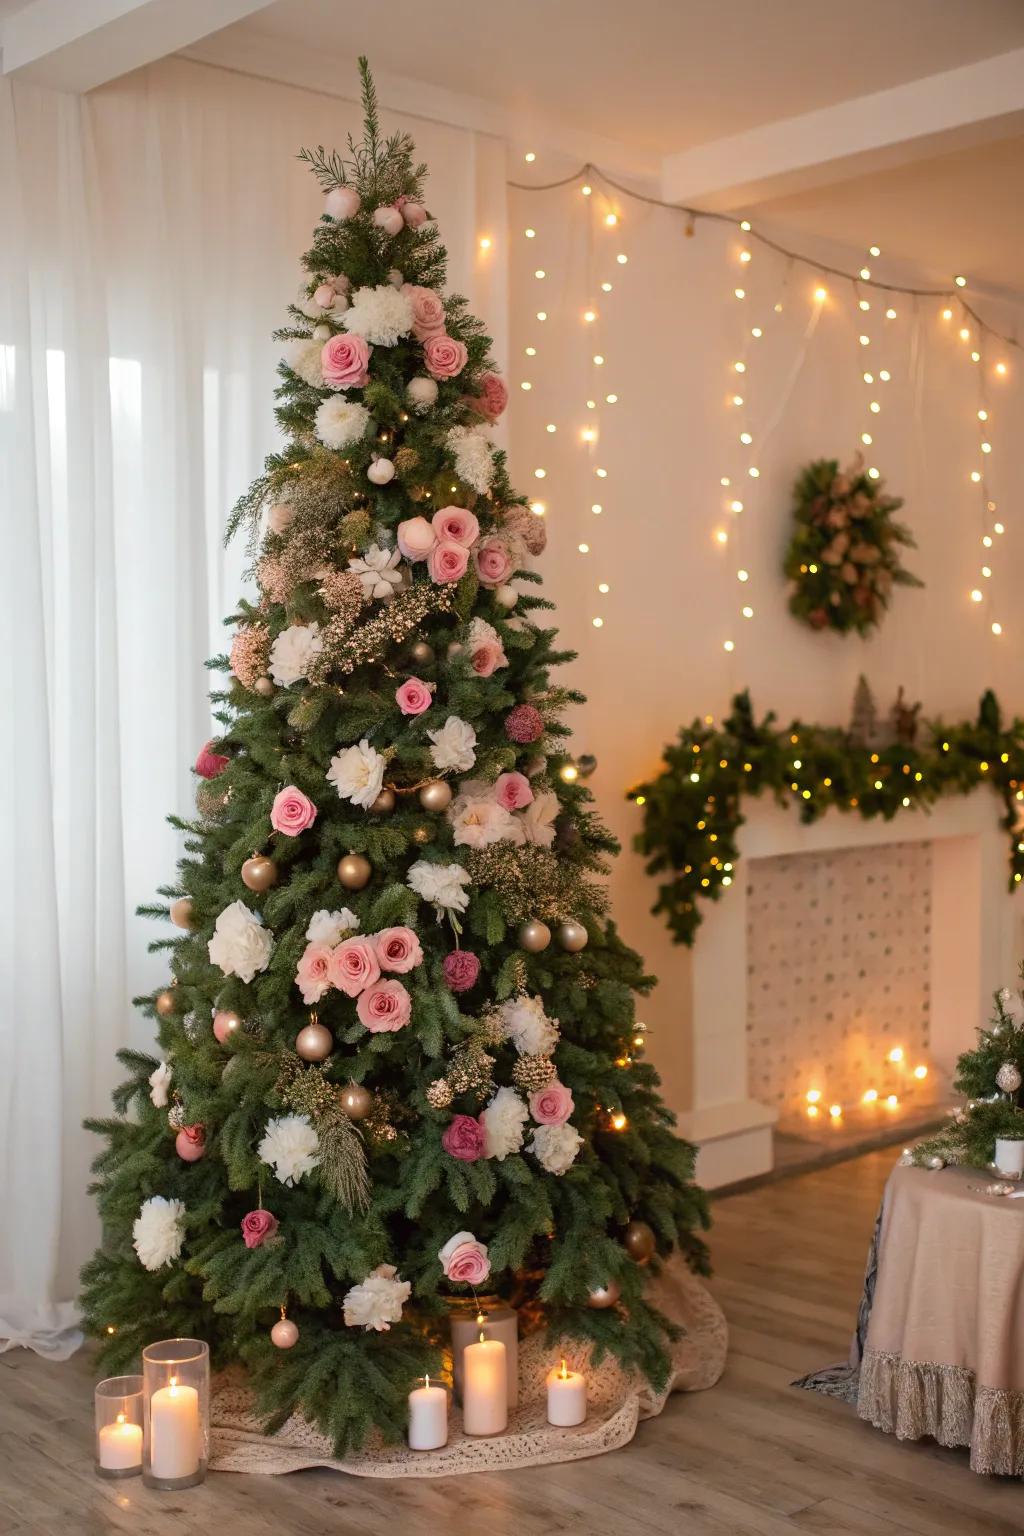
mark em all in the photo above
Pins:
pixel 693 808
pixel 843 558
pixel 990 1078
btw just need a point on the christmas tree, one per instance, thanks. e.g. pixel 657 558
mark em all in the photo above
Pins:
pixel 399 1060
pixel 989 1077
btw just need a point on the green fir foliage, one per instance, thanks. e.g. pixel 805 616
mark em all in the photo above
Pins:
pixel 990 1110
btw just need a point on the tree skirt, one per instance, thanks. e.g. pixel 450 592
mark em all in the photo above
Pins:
pixel 617 1401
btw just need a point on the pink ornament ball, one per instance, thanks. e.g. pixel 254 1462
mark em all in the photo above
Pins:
pixel 342 203
pixel 325 296
pixel 284 1334
pixel 414 214
pixel 524 724
pixel 225 1023
pixel 389 219
pixel 190 1143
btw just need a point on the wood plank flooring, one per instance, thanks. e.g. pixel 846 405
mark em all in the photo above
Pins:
pixel 752 1457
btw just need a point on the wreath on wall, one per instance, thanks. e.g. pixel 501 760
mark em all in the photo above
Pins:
pixel 844 555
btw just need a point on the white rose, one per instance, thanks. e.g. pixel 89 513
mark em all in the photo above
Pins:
pixel 528 1027
pixel 290 1146
pixel 340 422
pixel 555 1147
pixel 357 774
pixel 378 1301
pixel 158 1231
pixel 292 652
pixel 442 884
pixel 454 745
pixel 503 1120
pixel 331 927
pixel 159 1082
pixel 241 945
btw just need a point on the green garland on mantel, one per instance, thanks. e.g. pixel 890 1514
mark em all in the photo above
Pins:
pixel 692 810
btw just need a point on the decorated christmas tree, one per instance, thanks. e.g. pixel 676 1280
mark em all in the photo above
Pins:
pixel 989 1077
pixel 398 1055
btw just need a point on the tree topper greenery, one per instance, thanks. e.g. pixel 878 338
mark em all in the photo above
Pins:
pixel 991 1110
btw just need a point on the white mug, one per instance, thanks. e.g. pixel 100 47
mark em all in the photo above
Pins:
pixel 1009 1155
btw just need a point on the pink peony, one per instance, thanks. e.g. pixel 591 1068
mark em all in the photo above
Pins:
pixel 344 362
pixel 512 790
pixel 552 1105
pixel 257 1226
pixel 524 724
pixel 384 1007
pixel 416 538
pixel 494 393
pixel 292 811
pixel 190 1143
pixel 464 1138
pixel 444 358
pixel 398 949
pixel 465 1260
pixel 456 526
pixel 427 312
pixel 313 972
pixel 354 966
pixel 209 763
pixel 461 970
pixel 494 563
pixel 487 656
pixel 413 697
pixel 448 562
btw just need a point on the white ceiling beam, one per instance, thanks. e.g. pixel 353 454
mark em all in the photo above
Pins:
pixel 76 45
pixel 975 104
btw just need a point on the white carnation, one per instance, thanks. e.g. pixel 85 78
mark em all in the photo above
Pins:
pixel 159 1082
pixel 537 820
pixel 241 945
pixel 303 357
pixel 290 1146
pixel 159 1231
pixel 292 652
pixel 528 1027
pixel 331 927
pixel 473 452
pixel 381 315
pixel 555 1146
pixel 478 820
pixel 503 1120
pixel 454 745
pixel 378 1302
pixel 340 422
pixel 378 571
pixel 442 884
pixel 357 774
pixel 421 394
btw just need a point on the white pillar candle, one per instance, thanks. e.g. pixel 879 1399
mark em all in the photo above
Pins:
pixel 174 1432
pixel 484 1388
pixel 494 1321
pixel 428 1417
pixel 1009 1155
pixel 120 1445
pixel 567 1397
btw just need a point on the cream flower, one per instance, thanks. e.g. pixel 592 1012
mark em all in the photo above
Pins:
pixel 159 1082
pixel 340 422
pixel 555 1147
pixel 290 1146
pixel 302 356
pixel 158 1231
pixel 478 820
pixel 292 653
pixel 473 454
pixel 537 820
pixel 331 927
pixel 528 1027
pixel 454 745
pixel 240 945
pixel 442 884
pixel 378 1301
pixel 357 774
pixel 503 1122
pixel 381 315
pixel 378 571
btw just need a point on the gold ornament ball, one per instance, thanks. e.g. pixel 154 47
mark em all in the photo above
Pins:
pixel 384 803
pixel 314 1042
pixel 354 870
pixel 355 1100
pixel 422 653
pixel 181 912
pixel 436 796
pixel 639 1241
pixel 259 873
pixel 264 687
pixel 285 1333
pixel 165 1002
pixel 534 936
pixel 603 1296
pixel 422 834
pixel 572 936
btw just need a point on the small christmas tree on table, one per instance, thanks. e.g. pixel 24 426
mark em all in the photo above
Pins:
pixel 990 1077
pixel 380 1083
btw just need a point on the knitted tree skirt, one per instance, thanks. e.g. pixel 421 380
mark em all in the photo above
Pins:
pixel 617 1401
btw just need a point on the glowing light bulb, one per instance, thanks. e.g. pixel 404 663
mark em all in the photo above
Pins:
pixel 753 472
pixel 611 399
pixel 1000 367
pixel 588 435
pixel 611 219
pixel 539 474
pixel 863 304
pixel 538 508
pixel 961 282
pixel 813 1095
pixel 835 1110
pixel 745 256
pixel 742 575
pixel 947 314
pixel 739 367
pixel 964 333
pixel 606 287
pixel 874 407
pixel 874 251
pixel 896 1054
pixel 584 549
pixel 586 189
pixel 821 294
pixel 865 341
pixel 621 259
pixel 890 314
pixel 975 475
pixel 531 234
pixel 589 316
pixel 602 474
pixel 986 447
pixel 542 314
pixel 531 351
pixel 551 427
pixel 603 586
pixel 884 375
pixel 865 273
pixel 485 243
pixel 976 596
pixel 748 613
pixel 746 438
pixel 540 274
pixel 721 537
pixel 529 157
pixel 869 1095
pixel 756 332
pixel 920 1073
pixel 892 1101
pixel 745 225
pixel 598 359
pixel 619 1121
pixel 526 385
pixel 727 645
pixel 735 506
pixel 597 509
pixel 740 293
pixel 997 629
pixel 597 623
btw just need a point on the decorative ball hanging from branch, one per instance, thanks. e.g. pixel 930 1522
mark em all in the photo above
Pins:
pixel 844 554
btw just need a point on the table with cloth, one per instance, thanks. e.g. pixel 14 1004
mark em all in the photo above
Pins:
pixel 939 1345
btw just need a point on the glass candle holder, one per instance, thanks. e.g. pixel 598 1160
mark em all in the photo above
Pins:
pixel 118 1402
pixel 469 1317
pixel 176 1404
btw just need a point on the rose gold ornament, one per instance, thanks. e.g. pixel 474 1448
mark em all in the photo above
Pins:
pixel 181 912
pixel 639 1241
pixel 436 796
pixel 285 1333
pixel 314 1042
pixel 259 873
pixel 190 1143
pixel 602 1296
pixel 384 803
pixel 165 1002
pixel 354 870
pixel 264 687
pixel 572 936
pixel 533 936
pixel 225 1023
pixel 355 1100
pixel 422 653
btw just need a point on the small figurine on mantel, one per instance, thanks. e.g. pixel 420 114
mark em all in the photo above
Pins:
pixel 904 720
pixel 863 730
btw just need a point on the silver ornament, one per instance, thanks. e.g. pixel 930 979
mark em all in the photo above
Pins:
pixel 533 936
pixel 572 936
pixel 935 1161
pixel 436 796
pixel 1008 1077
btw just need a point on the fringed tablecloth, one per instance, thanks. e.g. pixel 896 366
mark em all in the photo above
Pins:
pixel 616 1402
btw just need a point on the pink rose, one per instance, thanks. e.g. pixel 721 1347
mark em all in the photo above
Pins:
pixel 465 1260
pixel 486 657
pixel 413 697
pixel 344 362
pixel 455 525
pixel 414 214
pixel 324 295
pixel 313 972
pixel 494 563
pixel 464 1138
pixel 384 1007
pixel 257 1226
pixel 209 763
pixel 292 811
pixel 398 949
pixel 494 394
pixel 461 970
pixel 445 358
pixel 416 538
pixel 552 1105
pixel 190 1143
pixel 448 562
pixel 512 790
pixel 427 312
pixel 354 966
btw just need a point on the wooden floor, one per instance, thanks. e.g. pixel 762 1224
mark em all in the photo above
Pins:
pixel 752 1457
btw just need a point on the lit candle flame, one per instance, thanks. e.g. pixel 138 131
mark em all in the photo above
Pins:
pixel 564 1373
pixel 426 1380
pixel 120 1418
pixel 483 1339
pixel 173 1386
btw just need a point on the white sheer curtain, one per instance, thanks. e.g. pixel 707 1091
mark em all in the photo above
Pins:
pixel 151 240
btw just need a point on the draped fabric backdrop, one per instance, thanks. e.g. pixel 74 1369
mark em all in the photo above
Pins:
pixel 150 236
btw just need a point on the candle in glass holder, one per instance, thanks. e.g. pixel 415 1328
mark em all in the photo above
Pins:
pixel 119 1438
pixel 120 1446
pixel 174 1428
pixel 484 1387
pixel 567 1397
pixel 428 1417
pixel 495 1320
